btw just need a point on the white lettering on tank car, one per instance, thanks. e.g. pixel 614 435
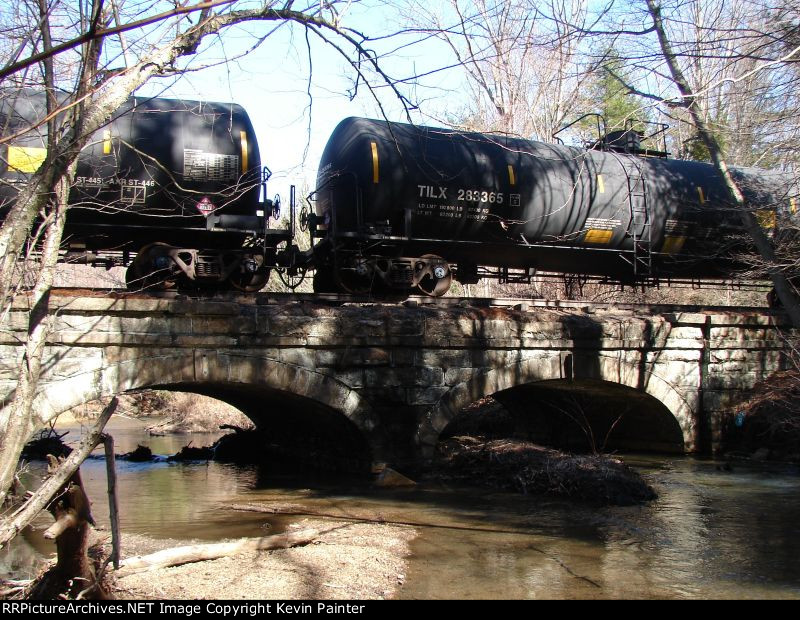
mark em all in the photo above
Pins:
pixel 201 166
pixel 133 194
pixel 429 191
pixel 481 195
pixel 676 227
pixel 601 223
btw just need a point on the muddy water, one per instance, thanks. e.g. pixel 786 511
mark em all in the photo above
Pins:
pixel 712 533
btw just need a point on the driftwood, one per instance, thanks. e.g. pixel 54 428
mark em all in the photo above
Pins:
pixel 142 454
pixel 190 453
pixel 47 442
pixel 522 466
pixel 13 524
pixel 198 553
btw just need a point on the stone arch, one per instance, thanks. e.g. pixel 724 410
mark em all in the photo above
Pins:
pixel 182 369
pixel 559 366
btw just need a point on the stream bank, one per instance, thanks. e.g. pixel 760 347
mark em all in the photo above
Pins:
pixel 354 561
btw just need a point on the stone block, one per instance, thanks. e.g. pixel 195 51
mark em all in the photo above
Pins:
pixel 371 356
pixel 298 357
pixel 65 369
pixel 261 341
pixel 683 344
pixel 742 319
pixel 685 333
pixel 102 339
pixel 224 325
pixel 666 356
pixel 686 318
pixel 729 355
pixel 386 396
pixel 353 378
pixel 454 376
pixel 741 335
pixel 405 356
pixel 324 358
pixel 410 326
pixel 446 358
pixel 425 396
pixel 251 369
pixel 10 359
pixel 731 381
pixel 403 377
pixel 205 342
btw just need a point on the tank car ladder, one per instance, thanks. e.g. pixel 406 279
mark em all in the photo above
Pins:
pixel 640 225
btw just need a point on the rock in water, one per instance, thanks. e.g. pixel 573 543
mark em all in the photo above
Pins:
pixel 388 477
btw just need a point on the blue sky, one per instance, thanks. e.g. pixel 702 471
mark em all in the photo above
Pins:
pixel 271 82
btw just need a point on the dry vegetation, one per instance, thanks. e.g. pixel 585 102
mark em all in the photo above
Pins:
pixel 769 422
pixel 528 468
pixel 178 412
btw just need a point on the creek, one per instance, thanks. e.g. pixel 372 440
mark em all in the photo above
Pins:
pixel 712 533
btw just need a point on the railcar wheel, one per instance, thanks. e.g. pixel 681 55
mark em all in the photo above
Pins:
pixel 251 276
pixel 133 279
pixel 152 269
pixel 437 276
pixel 355 277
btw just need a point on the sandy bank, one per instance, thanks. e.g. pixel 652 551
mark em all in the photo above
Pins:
pixel 347 561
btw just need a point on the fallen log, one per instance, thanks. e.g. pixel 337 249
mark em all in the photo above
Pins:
pixel 198 553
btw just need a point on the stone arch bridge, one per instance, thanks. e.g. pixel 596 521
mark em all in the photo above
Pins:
pixel 391 378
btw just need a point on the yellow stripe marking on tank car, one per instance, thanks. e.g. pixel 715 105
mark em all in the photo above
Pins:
pixel 596 235
pixel 25 158
pixel 673 245
pixel 601 185
pixel 766 218
pixel 243 142
pixel 701 195
pixel 374 147
pixel 512 179
pixel 107 142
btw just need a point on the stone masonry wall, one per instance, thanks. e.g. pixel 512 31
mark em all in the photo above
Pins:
pixel 398 373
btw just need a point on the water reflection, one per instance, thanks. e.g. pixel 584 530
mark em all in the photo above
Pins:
pixel 711 534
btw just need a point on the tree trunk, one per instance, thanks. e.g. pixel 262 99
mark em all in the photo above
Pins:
pixel 20 425
pixel 73 575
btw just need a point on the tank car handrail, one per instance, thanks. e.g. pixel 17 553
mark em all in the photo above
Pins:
pixel 600 132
